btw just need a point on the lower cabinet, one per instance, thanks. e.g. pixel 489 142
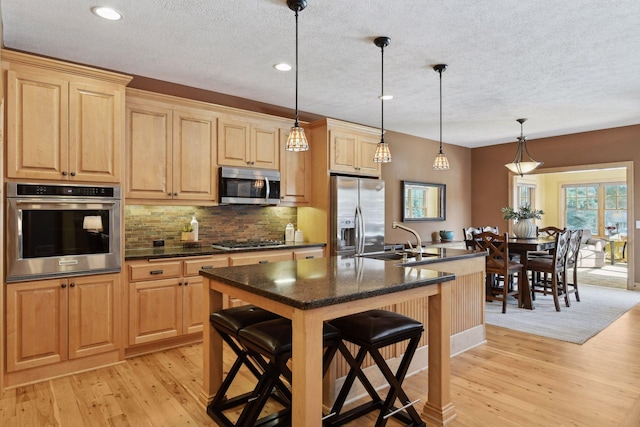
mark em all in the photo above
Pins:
pixel 165 298
pixel 55 320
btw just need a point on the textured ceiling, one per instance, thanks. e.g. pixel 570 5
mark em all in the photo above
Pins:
pixel 568 66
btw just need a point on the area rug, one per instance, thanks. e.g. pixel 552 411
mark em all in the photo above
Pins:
pixel 598 308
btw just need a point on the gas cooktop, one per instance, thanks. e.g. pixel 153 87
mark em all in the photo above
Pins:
pixel 228 245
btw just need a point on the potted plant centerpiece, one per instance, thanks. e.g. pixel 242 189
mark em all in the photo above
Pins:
pixel 188 235
pixel 524 227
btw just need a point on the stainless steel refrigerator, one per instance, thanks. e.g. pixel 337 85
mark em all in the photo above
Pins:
pixel 357 215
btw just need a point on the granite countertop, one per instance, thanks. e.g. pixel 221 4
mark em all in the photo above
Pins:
pixel 204 249
pixel 313 283
pixel 431 255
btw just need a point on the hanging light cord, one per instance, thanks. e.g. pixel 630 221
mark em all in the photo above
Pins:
pixel 296 123
pixel 382 95
pixel 440 72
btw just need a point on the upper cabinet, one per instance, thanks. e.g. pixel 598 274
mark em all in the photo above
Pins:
pixel 352 153
pixel 170 150
pixel 295 174
pixel 64 122
pixel 248 143
pixel 343 147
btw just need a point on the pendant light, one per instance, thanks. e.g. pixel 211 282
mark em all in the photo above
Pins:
pixel 382 155
pixel 441 163
pixel 519 165
pixel 296 140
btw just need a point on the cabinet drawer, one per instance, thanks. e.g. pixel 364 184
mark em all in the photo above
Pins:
pixel 192 267
pixel 308 253
pixel 154 270
pixel 260 257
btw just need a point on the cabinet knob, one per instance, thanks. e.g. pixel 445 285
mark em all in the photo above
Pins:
pixel 64 285
pixel 248 163
pixel 64 173
pixel 72 285
pixel 253 163
pixel 175 194
pixel 169 194
pixel 179 283
pixel 73 174
pixel 186 283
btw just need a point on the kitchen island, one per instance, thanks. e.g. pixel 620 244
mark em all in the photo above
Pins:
pixel 311 291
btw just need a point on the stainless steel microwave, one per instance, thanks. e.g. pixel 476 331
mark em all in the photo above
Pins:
pixel 58 230
pixel 245 186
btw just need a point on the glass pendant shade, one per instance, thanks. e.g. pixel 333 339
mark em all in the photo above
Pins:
pixel 441 163
pixel 296 140
pixel 520 165
pixel 382 155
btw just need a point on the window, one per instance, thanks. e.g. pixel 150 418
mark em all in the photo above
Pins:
pixel 526 195
pixel 595 207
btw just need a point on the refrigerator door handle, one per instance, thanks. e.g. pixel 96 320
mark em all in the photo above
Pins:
pixel 357 231
pixel 362 230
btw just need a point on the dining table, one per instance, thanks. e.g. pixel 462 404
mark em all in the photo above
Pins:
pixel 312 291
pixel 522 247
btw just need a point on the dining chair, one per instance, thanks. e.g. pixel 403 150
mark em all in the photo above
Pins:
pixel 553 266
pixel 470 234
pixel 547 232
pixel 572 262
pixel 498 264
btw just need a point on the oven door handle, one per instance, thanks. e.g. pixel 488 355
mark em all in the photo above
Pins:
pixel 21 203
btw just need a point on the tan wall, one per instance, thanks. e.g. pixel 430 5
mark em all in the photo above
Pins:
pixel 412 161
pixel 489 177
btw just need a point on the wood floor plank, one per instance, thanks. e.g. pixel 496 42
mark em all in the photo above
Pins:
pixel 515 379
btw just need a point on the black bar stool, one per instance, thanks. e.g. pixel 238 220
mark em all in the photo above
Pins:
pixel 228 323
pixel 273 340
pixel 371 331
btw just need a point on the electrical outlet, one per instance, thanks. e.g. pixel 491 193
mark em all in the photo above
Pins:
pixel 158 243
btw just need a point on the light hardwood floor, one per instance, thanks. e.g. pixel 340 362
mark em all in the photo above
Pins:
pixel 515 379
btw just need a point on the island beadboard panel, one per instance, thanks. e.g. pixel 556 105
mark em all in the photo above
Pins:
pixel 467 325
pixel 144 224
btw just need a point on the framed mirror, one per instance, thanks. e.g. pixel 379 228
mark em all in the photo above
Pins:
pixel 422 201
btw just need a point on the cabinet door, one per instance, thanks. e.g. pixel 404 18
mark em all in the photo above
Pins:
pixel 265 147
pixel 155 310
pixel 148 152
pixel 37 125
pixel 261 257
pixel 342 152
pixel 36 323
pixel 194 144
pixel 367 149
pixel 192 305
pixel 295 175
pixel 233 142
pixel 93 314
pixel 95 132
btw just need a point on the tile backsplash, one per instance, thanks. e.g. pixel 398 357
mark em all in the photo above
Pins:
pixel 144 224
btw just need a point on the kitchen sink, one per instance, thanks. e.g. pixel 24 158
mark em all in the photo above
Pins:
pixel 394 256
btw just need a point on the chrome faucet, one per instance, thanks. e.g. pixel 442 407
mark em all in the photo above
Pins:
pixel 414 232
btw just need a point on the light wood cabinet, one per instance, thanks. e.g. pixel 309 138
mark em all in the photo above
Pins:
pixel 170 151
pixel 352 153
pixel 165 297
pixel 55 320
pixel 295 174
pixel 64 122
pixel 248 144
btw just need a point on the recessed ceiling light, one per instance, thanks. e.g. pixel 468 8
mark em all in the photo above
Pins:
pixel 385 97
pixel 282 67
pixel 107 13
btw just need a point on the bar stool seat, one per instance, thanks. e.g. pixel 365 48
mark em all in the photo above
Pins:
pixel 273 340
pixel 373 330
pixel 228 323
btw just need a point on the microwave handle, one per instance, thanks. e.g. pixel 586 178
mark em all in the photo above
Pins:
pixel 266 182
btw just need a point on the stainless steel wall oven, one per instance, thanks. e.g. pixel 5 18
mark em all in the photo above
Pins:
pixel 58 230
